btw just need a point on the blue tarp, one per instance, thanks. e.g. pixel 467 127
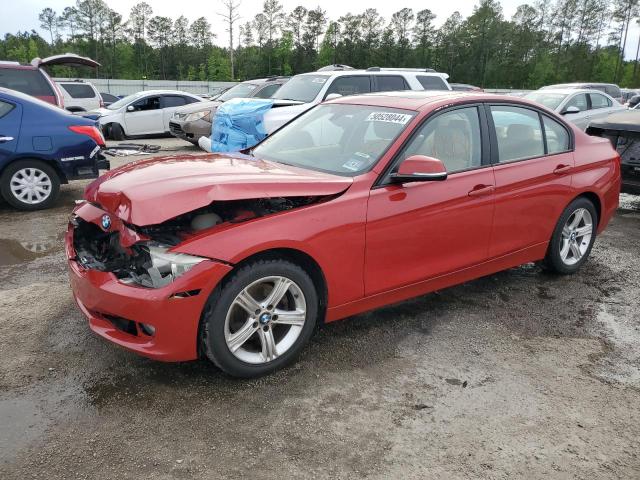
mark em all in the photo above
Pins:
pixel 238 124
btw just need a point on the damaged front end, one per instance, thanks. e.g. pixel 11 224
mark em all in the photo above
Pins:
pixel 142 256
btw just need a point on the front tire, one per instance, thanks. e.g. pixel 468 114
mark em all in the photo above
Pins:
pixel 30 185
pixel 260 319
pixel 573 237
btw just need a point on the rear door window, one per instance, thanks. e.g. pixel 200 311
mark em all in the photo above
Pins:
pixel 31 82
pixel 389 83
pixel 599 101
pixel 78 90
pixel 612 90
pixel 432 82
pixel 173 101
pixel 518 131
pixel 350 85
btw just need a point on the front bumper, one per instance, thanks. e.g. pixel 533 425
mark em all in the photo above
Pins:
pixel 189 131
pixel 122 313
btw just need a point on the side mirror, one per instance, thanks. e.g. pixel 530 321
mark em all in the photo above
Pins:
pixel 570 110
pixel 420 168
pixel 131 108
pixel 332 96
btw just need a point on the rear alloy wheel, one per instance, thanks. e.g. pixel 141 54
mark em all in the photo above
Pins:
pixel 573 237
pixel 30 185
pixel 262 318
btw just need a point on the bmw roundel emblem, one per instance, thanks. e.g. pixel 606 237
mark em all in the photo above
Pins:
pixel 106 222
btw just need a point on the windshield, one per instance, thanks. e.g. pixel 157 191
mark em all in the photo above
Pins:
pixel 125 101
pixel 549 100
pixel 302 88
pixel 341 139
pixel 239 91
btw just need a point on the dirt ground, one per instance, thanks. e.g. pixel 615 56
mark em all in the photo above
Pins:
pixel 517 375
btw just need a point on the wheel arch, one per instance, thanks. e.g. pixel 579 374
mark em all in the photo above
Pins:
pixel 300 258
pixel 595 199
pixel 52 163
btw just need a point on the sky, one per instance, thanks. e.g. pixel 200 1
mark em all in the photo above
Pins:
pixel 23 14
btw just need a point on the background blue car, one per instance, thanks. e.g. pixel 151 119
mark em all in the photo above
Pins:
pixel 42 146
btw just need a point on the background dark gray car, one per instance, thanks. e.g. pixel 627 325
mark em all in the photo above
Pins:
pixel 194 121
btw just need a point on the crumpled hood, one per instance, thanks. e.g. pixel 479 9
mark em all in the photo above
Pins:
pixel 149 192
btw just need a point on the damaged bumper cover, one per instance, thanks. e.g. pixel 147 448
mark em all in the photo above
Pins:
pixel 161 322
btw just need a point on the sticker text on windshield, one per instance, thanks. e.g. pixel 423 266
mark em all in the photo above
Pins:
pixel 401 118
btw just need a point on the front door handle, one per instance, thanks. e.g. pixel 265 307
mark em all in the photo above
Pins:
pixel 481 190
pixel 562 169
pixel 5 139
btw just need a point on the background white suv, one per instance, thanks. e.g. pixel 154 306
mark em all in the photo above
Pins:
pixel 80 96
pixel 304 91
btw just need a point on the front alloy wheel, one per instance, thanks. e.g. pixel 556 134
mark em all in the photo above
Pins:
pixel 260 318
pixel 265 319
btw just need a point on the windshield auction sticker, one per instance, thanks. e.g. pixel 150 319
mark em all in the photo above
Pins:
pixel 401 118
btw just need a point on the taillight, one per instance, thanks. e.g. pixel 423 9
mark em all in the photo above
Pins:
pixel 89 131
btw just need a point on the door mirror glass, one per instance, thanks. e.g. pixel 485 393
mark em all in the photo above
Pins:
pixel 130 108
pixel 420 168
pixel 570 109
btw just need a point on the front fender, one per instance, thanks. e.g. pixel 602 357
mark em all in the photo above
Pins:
pixel 332 233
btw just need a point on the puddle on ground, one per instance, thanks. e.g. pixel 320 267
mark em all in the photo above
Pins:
pixel 14 252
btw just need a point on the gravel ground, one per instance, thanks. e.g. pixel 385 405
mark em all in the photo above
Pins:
pixel 515 375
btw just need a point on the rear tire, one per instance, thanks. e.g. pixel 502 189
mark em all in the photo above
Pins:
pixel 260 319
pixel 116 132
pixel 29 185
pixel 572 238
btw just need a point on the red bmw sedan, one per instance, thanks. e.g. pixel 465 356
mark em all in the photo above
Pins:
pixel 361 202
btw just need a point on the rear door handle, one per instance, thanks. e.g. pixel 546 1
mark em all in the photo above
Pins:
pixel 481 190
pixel 5 139
pixel 562 169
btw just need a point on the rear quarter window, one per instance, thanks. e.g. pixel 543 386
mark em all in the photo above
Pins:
pixel 31 82
pixel 79 90
pixel 432 82
pixel 5 108
pixel 389 83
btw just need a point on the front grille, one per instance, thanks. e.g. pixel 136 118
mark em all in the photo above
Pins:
pixel 175 128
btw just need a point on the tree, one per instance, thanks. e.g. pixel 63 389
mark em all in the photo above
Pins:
pixel 200 33
pixel 316 20
pixel 181 31
pixel 231 16
pixel 295 22
pixel 424 33
pixel 49 21
pixel 401 24
pixel 160 33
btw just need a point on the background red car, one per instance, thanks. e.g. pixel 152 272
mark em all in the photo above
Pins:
pixel 358 203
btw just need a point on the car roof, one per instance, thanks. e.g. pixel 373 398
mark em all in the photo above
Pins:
pixel 16 65
pixel 564 91
pixel 166 92
pixel 267 80
pixel 575 85
pixel 351 73
pixel 419 99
